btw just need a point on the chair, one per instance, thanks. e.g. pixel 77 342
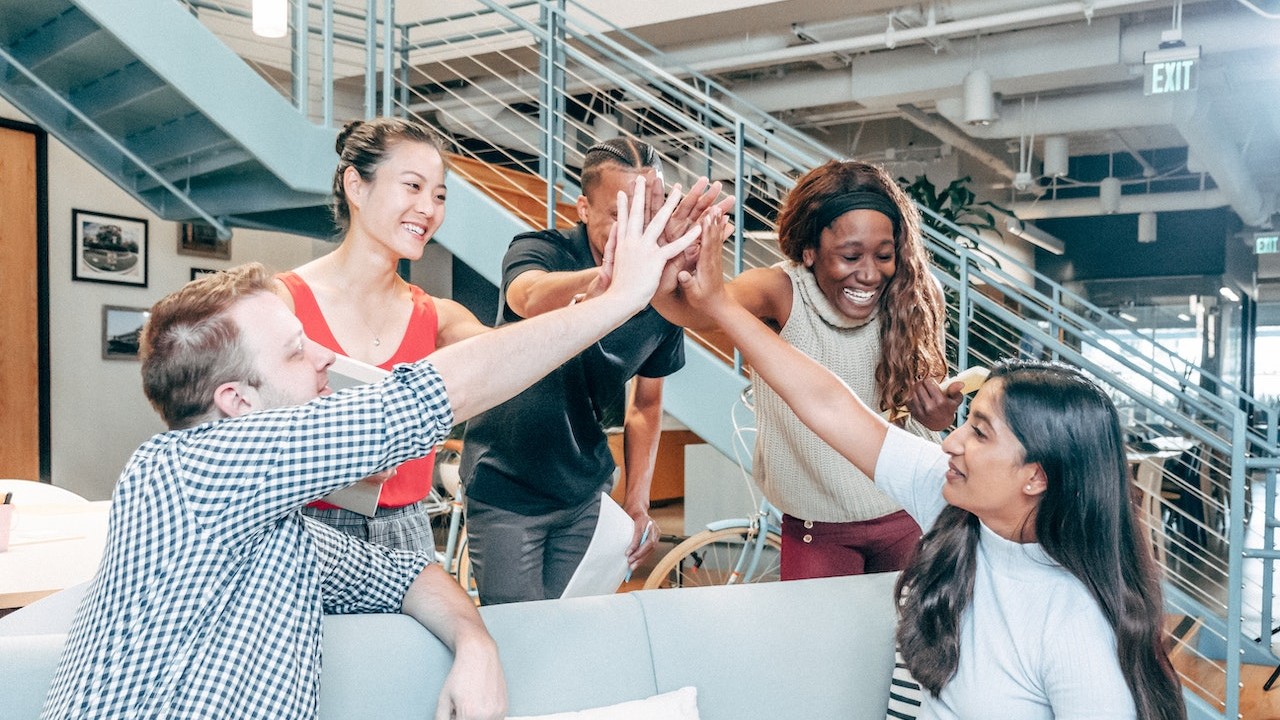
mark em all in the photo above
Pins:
pixel 1150 481
pixel 30 492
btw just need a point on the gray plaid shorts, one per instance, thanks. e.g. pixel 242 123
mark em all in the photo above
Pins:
pixel 402 528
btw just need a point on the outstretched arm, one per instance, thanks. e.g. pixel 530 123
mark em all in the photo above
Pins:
pixel 820 399
pixel 475 687
pixel 483 371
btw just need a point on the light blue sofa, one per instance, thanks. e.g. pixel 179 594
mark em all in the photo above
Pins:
pixel 809 649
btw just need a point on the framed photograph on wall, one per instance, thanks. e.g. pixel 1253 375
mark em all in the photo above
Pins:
pixel 202 240
pixel 197 272
pixel 108 248
pixel 121 331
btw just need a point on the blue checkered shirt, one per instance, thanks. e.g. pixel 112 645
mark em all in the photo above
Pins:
pixel 209 599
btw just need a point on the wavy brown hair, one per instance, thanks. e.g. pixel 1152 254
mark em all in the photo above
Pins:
pixel 912 317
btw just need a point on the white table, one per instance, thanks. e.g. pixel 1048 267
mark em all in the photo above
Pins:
pixel 51 547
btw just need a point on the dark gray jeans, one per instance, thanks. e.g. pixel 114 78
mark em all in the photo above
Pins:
pixel 518 557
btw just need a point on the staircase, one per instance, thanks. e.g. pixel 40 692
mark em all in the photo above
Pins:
pixel 191 130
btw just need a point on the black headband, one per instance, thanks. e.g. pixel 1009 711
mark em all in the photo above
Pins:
pixel 837 205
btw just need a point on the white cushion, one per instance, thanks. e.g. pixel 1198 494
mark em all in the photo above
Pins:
pixel 679 704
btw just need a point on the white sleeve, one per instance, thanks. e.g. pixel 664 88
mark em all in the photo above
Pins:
pixel 911 470
pixel 1082 678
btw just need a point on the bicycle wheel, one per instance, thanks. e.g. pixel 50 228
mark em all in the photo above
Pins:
pixel 710 557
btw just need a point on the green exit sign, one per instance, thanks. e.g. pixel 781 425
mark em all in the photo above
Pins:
pixel 1171 70
pixel 1266 244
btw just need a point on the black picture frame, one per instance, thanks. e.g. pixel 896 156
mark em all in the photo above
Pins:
pixel 109 248
pixel 201 240
pixel 198 272
pixel 121 331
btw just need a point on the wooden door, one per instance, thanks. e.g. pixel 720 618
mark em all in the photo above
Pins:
pixel 23 297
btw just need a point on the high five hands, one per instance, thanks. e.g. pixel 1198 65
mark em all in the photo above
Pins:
pixel 635 256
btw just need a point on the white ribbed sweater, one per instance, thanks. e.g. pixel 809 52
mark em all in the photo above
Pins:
pixel 796 470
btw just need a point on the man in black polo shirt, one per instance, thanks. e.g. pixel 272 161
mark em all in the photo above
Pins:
pixel 535 466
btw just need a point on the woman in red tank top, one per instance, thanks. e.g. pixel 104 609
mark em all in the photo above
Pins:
pixel 389 198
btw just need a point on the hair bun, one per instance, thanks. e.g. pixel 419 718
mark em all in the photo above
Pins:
pixel 345 133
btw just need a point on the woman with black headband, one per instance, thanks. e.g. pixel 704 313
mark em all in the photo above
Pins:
pixel 855 294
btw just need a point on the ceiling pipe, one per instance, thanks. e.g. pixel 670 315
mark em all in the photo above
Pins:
pixel 1096 112
pixel 882 40
pixel 1129 205
pixel 1221 158
pixel 948 133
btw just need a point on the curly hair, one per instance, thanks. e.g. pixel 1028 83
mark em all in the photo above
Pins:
pixel 364 145
pixel 912 317
pixel 1084 521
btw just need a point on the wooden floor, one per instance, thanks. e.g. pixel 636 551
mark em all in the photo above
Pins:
pixel 1208 678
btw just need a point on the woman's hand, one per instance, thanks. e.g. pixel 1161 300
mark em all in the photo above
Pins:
pixel 935 407
pixel 703 286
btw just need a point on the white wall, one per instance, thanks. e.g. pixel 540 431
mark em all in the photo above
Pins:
pixel 99 414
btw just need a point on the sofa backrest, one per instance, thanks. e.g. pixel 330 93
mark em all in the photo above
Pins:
pixel 800 649
pixel 812 648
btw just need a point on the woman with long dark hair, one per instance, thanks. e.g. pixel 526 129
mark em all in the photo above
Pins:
pixel 1032 594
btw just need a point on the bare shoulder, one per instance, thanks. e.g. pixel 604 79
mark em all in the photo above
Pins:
pixel 282 292
pixel 455 322
pixel 764 292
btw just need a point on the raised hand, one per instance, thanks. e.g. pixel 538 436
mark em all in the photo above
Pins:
pixel 638 259
pixel 702 287
pixel 700 201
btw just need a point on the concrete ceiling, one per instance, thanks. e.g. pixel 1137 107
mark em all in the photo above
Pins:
pixel 885 82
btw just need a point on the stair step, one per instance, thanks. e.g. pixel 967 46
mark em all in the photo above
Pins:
pixel 115 90
pixel 524 194
pixel 60 34
pixel 177 139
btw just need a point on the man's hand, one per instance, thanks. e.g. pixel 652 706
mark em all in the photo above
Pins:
pixel 933 406
pixel 643 540
pixel 701 200
pixel 475 688
pixel 637 258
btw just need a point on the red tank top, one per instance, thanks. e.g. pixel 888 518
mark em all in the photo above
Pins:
pixel 412 480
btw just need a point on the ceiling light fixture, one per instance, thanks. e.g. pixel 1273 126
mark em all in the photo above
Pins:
pixel 1184 317
pixel 1056 157
pixel 979 102
pixel 271 18
pixel 1146 227
pixel 1229 294
pixel 1126 316
pixel 1035 236
pixel 1109 195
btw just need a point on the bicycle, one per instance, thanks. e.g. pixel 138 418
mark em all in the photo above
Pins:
pixel 446 498
pixel 731 551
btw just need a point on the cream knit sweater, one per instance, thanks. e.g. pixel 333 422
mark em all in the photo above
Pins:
pixel 797 471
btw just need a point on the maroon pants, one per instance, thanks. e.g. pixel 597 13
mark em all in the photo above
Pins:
pixel 818 549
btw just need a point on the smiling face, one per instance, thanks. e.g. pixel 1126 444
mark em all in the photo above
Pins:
pixel 988 474
pixel 293 368
pixel 598 207
pixel 854 261
pixel 403 205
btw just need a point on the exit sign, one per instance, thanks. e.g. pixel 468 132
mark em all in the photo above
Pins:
pixel 1266 244
pixel 1171 70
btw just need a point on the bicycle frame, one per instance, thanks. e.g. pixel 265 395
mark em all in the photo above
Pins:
pixel 748 561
